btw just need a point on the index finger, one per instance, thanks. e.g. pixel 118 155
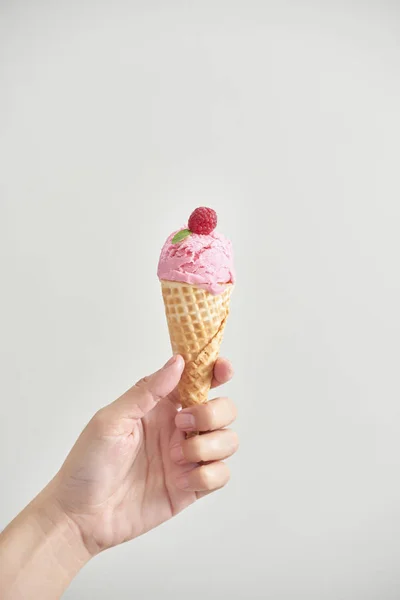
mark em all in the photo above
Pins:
pixel 212 415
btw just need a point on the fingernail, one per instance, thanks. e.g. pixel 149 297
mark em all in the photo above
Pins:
pixel 170 362
pixel 185 421
pixel 182 482
pixel 177 453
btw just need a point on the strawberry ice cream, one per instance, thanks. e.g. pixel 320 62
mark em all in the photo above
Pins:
pixel 205 261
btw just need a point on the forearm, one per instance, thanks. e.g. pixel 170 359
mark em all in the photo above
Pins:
pixel 41 551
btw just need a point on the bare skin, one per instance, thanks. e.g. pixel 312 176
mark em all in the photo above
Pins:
pixel 131 469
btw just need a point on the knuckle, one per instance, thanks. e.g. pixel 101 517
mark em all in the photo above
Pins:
pixel 235 440
pixel 209 415
pixel 232 440
pixel 142 383
pixel 194 449
pixel 144 389
pixel 206 478
pixel 99 421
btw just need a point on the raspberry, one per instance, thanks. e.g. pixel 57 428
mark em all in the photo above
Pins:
pixel 203 220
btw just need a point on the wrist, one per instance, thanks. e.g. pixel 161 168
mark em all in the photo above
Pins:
pixel 41 551
pixel 60 533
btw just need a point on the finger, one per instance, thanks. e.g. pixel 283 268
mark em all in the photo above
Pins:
pixel 212 415
pixel 144 395
pixel 217 445
pixel 223 372
pixel 204 478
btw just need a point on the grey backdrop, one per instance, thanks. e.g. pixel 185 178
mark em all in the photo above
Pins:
pixel 117 119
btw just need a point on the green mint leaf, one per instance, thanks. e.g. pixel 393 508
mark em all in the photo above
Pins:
pixel 181 235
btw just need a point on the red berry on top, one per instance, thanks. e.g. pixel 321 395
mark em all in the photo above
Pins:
pixel 202 220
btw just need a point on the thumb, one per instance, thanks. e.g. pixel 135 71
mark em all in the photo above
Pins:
pixel 145 395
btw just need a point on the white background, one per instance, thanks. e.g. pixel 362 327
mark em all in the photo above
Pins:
pixel 117 119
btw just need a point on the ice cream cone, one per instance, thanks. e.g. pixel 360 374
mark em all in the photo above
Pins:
pixel 196 321
pixel 197 276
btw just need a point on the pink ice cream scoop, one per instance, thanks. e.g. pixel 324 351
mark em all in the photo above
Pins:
pixel 198 255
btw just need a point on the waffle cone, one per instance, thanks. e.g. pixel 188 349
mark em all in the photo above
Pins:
pixel 196 321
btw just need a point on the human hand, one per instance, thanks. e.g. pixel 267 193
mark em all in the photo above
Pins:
pixel 132 468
